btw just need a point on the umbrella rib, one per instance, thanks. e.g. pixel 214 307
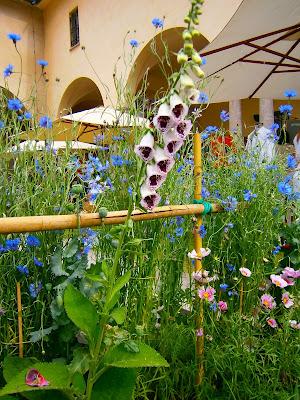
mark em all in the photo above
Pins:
pixel 276 53
pixel 270 63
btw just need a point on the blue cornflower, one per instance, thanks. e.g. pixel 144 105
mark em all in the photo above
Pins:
pixel 23 269
pixel 179 231
pixel 133 43
pixel 237 174
pixel 33 241
pixel 203 98
pixel 117 161
pixel 284 188
pixel 230 267
pixel 230 203
pixel 271 167
pixel 12 244
pixel 291 161
pixel 20 117
pixel 254 176
pixel 204 136
pixel 117 138
pixel 274 127
pixel 34 290
pixel 89 236
pixel 98 139
pixel 42 63
pixel 15 37
pixel 224 116
pixel 290 93
pixel 211 128
pixel 276 250
pixel 27 115
pixel 286 108
pixel 130 191
pixel 45 122
pixel 37 262
pixel 224 287
pixel 217 194
pixel 158 23
pixel 2 124
pixel 204 61
pixel 8 70
pixel 179 220
pixel 228 226
pixel 14 105
pixel 202 231
pixel 171 238
pixel 204 192
pixel 180 168
pixel 38 168
pixel 213 307
pixel 248 195
pixel 233 293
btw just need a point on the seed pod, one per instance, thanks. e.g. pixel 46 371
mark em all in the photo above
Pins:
pixel 103 212
pixel 77 189
pixel 70 207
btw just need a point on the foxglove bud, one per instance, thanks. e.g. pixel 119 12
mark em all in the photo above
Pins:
pixel 186 35
pixel 198 71
pixel 186 82
pixel 196 58
pixel 182 58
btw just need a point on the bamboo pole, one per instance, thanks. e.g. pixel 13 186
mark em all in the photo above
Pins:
pixel 20 322
pixel 58 222
pixel 198 263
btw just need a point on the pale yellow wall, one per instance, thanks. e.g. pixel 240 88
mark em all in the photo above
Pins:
pixel 18 17
pixel 103 27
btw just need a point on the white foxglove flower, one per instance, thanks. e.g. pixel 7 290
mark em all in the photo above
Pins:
pixel 183 129
pixel 164 119
pixel 155 177
pixel 193 96
pixel 150 198
pixel 186 82
pixel 172 144
pixel 145 150
pixel 163 162
pixel 178 108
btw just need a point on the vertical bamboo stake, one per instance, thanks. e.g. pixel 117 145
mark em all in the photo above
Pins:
pixel 20 323
pixel 198 263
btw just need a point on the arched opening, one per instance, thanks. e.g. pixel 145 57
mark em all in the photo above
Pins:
pixel 82 94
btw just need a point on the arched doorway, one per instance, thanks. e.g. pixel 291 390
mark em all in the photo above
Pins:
pixel 81 94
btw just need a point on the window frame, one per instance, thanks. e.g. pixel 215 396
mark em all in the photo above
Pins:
pixel 74 28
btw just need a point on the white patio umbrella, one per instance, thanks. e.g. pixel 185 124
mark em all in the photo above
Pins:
pixel 32 145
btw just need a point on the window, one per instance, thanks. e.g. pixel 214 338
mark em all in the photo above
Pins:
pixel 74 27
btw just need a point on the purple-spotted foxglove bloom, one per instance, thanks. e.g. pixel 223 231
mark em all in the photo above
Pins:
pixel 163 162
pixel 45 122
pixel 290 93
pixel 14 104
pixel 158 23
pixel 224 116
pixel 42 63
pixel 164 119
pixel 183 129
pixel 149 197
pixel 155 178
pixel 178 108
pixel 172 144
pixel 145 150
pixel 133 43
pixel 291 161
pixel 203 98
pixel 192 95
pixel 8 70
pixel 286 108
pixel 15 37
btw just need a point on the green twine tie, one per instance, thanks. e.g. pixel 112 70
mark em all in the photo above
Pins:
pixel 206 204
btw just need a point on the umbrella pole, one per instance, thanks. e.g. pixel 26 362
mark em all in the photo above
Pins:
pixel 198 264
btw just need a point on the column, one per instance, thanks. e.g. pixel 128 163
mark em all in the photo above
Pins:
pixel 266 112
pixel 235 112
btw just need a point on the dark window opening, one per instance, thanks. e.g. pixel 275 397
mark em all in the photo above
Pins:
pixel 74 27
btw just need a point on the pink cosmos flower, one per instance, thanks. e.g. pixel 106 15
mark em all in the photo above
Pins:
pixel 178 108
pixel 287 301
pixel 290 281
pixel 268 301
pixel 182 129
pixel 278 281
pixel 245 272
pixel 163 162
pixel 204 252
pixel 150 198
pixel 272 322
pixel 35 378
pixel 294 324
pixel 145 150
pixel 155 177
pixel 222 306
pixel 164 119
pixel 288 271
pixel 207 294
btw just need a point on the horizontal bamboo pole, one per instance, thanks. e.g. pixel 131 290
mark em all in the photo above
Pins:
pixel 58 222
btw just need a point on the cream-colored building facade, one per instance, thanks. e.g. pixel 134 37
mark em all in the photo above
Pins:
pixel 82 76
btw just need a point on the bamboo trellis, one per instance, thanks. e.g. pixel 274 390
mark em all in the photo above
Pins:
pixel 61 222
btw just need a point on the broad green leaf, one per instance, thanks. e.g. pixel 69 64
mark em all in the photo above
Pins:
pixel 97 278
pixel 120 282
pixel 81 311
pixel 36 336
pixel 119 315
pixel 57 265
pixel 105 269
pixel 80 362
pixel 71 248
pixel 55 373
pixel 46 395
pixel 8 398
pixel 119 356
pixel 12 366
pixel 78 383
pixel 115 384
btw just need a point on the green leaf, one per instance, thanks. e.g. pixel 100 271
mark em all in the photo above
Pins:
pixel 55 373
pixel 57 265
pixel 81 311
pixel 120 282
pixel 47 395
pixel 71 248
pixel 12 366
pixel 80 362
pixel 8 398
pixel 119 356
pixel 119 315
pixel 78 383
pixel 36 336
pixel 115 384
